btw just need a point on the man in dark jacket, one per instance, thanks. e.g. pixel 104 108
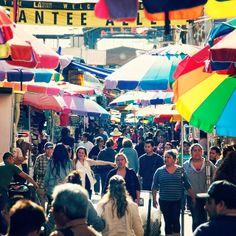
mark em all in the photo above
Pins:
pixel 107 154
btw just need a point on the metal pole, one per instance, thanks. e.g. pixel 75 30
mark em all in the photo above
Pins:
pixel 29 125
pixel 148 226
pixel 15 9
pixel 52 126
pixel 208 167
pixel 182 161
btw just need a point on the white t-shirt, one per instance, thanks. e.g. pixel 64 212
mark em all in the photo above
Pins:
pixel 88 145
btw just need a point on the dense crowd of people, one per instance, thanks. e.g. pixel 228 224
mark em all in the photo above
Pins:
pixel 118 165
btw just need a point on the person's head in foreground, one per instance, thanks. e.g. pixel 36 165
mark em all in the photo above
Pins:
pixel 70 202
pixel 220 198
pixel 26 219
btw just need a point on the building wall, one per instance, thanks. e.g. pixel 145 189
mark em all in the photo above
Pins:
pixel 6 123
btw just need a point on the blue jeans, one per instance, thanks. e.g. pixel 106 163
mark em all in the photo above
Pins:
pixel 171 213
pixel 199 215
pixel 103 180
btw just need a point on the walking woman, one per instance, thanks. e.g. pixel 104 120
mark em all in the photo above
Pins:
pixel 119 211
pixel 84 164
pixel 59 166
pixel 170 180
pixel 196 171
pixel 131 180
pixel 93 154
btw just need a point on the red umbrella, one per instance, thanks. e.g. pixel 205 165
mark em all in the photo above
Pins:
pixel 41 57
pixel 21 48
pixel 44 102
pixel 225 50
pixel 4 18
pixel 51 88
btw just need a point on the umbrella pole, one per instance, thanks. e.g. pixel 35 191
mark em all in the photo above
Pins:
pixel 52 126
pixel 208 167
pixel 30 140
pixel 15 9
pixel 182 161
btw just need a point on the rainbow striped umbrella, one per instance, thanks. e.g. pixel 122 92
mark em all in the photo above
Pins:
pixel 210 104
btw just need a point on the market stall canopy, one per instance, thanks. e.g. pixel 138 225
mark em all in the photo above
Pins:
pixel 51 88
pixel 151 71
pixel 98 72
pixel 221 29
pixel 44 101
pixel 164 109
pixel 74 89
pixel 22 74
pixel 225 50
pixel 217 9
pixel 142 98
pixel 21 48
pixel 83 106
pixel 210 105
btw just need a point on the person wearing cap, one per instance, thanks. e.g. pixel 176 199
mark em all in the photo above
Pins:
pixel 115 135
pixel 40 168
pixel 221 208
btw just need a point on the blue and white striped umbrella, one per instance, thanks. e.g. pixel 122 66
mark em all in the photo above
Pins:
pixel 151 71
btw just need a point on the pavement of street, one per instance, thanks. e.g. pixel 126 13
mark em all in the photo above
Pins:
pixel 187 218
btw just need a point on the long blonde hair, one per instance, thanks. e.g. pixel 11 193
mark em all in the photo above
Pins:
pixel 18 158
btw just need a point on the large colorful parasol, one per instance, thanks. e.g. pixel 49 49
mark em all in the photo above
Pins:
pixel 210 104
pixel 20 48
pixel 220 9
pixel 142 98
pixel 83 106
pixel 152 71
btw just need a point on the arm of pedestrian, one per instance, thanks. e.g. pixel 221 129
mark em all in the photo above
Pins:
pixel 192 195
pixel 101 163
pixel 94 220
pixel 154 197
pixel 28 178
pixel 138 198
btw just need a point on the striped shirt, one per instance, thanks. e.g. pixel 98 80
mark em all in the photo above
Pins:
pixel 170 186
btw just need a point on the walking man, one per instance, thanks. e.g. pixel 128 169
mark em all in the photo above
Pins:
pixel 221 207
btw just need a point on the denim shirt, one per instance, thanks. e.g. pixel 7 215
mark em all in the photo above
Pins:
pixel 51 179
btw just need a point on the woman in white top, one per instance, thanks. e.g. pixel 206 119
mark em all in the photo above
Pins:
pixel 119 211
pixel 83 163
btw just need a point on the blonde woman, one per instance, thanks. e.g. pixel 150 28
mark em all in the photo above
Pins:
pixel 129 175
pixel 18 157
pixel 18 160
pixel 119 211
pixel 83 163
